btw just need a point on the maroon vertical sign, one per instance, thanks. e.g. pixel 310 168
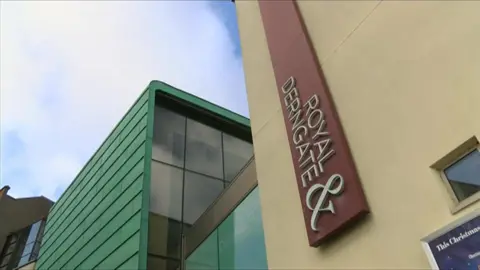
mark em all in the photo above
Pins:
pixel 330 190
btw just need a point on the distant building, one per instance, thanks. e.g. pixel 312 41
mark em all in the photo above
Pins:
pixel 22 221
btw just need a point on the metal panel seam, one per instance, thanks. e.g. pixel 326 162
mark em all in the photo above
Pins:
pixel 143 248
pixel 103 143
pixel 117 159
pixel 95 164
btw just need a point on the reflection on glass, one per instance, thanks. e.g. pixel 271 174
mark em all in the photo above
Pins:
pixel 238 243
pixel 204 149
pixel 182 192
pixel 165 210
pixel 11 248
pixel 155 263
pixel 164 236
pixel 36 249
pixel 236 155
pixel 5 260
pixel 24 260
pixel 200 192
pixel 463 175
pixel 40 232
pixel 205 257
pixel 28 249
pixel 241 237
pixel 166 191
pixel 32 236
pixel 168 137
pixel 13 238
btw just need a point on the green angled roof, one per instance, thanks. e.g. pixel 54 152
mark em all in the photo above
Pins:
pixel 101 220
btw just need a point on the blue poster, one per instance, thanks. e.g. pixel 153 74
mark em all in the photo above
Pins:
pixel 459 248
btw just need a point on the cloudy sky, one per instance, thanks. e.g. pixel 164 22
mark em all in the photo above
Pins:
pixel 70 70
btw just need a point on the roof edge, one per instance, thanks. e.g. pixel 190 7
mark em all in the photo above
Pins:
pixel 156 85
pixel 98 148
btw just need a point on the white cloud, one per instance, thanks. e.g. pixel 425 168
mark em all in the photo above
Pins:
pixel 70 70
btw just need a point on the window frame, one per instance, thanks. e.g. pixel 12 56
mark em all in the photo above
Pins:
pixel 448 160
pixel 212 120
pixel 32 256
pixel 21 242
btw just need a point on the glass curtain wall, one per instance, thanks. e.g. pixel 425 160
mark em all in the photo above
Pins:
pixel 237 244
pixel 191 165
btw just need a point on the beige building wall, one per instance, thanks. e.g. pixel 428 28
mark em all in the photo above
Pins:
pixel 30 266
pixel 405 79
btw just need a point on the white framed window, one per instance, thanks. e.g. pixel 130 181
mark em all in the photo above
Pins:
pixel 460 172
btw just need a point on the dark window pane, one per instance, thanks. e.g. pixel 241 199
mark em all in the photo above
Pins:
pixel 164 236
pixel 155 263
pixel 5 260
pixel 165 210
pixel 204 149
pixel 168 137
pixel 13 239
pixel 200 192
pixel 11 248
pixel 36 250
pixel 205 257
pixel 166 191
pixel 40 232
pixel 236 155
pixel 464 175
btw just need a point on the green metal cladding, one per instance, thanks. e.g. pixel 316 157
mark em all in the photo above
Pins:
pixel 101 220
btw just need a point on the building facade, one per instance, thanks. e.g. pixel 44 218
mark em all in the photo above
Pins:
pixel 160 169
pixel 385 94
pixel 365 152
pixel 22 221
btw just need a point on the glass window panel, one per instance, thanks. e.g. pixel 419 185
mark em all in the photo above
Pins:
pixel 164 236
pixel 155 263
pixel 204 149
pixel 236 155
pixel 28 249
pixel 13 239
pixel 41 231
pixel 5 260
pixel 464 174
pixel 166 191
pixel 205 257
pixel 200 192
pixel 11 247
pixel 24 260
pixel 32 236
pixel 168 137
pixel 165 210
pixel 241 237
pixel 36 250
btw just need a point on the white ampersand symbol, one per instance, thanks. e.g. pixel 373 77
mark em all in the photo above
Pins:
pixel 326 189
